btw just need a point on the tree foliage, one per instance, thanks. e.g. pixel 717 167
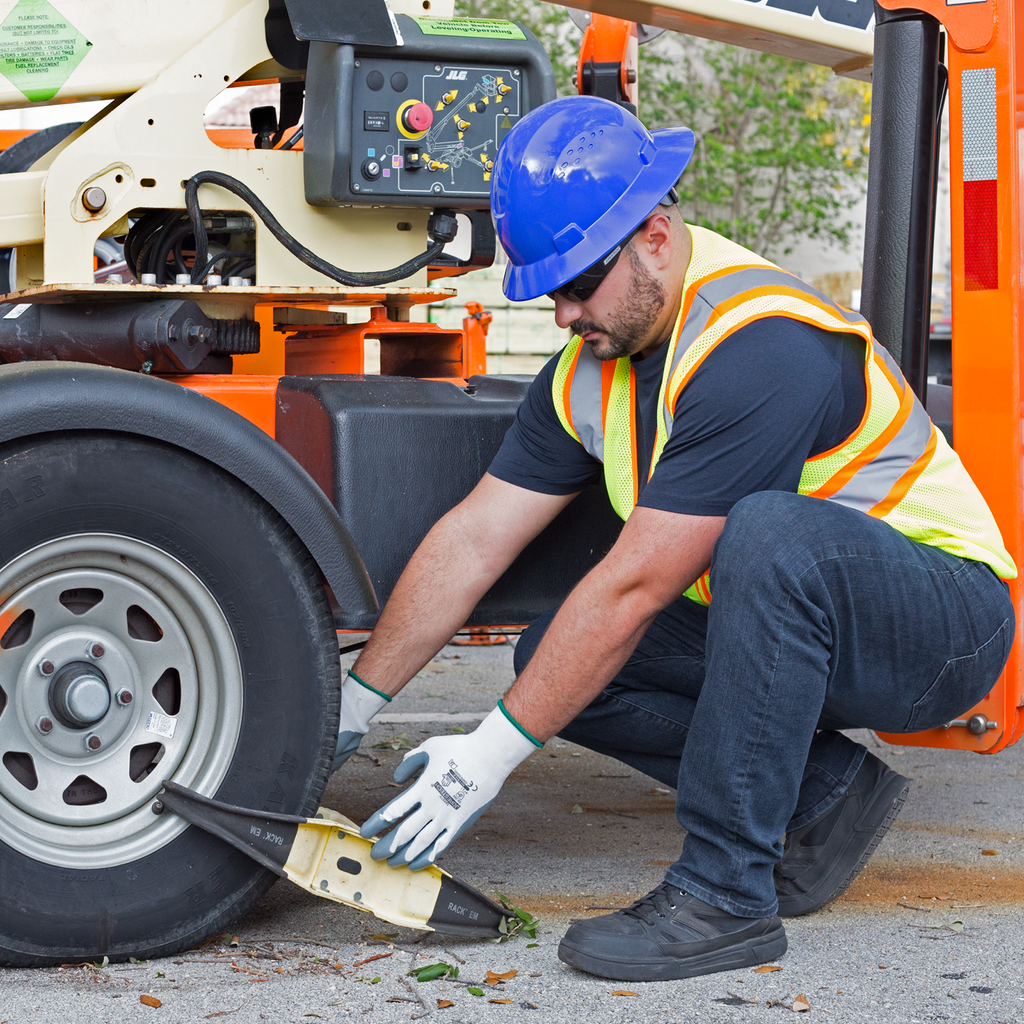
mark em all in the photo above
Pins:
pixel 781 145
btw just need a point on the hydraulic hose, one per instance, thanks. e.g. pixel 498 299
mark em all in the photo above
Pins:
pixel 441 227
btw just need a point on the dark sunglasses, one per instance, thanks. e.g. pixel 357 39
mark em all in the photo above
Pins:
pixel 582 286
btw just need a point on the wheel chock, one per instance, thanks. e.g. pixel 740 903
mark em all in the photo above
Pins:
pixel 328 857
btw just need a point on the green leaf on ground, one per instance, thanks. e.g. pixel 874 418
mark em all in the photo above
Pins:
pixel 431 972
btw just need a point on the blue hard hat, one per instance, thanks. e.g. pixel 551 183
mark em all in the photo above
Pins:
pixel 571 181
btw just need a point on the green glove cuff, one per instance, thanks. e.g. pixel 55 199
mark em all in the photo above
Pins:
pixel 362 682
pixel 533 739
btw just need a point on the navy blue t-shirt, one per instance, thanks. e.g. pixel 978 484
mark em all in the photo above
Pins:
pixel 772 394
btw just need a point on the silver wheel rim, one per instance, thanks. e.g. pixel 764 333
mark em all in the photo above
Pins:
pixel 156 634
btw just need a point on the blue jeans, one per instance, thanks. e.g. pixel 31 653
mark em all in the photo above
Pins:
pixel 822 618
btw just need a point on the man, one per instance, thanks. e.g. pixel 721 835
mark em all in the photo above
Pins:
pixel 762 448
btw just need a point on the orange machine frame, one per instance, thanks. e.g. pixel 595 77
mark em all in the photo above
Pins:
pixel 987 348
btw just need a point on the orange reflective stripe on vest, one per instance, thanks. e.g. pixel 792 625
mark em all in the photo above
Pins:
pixel 894 466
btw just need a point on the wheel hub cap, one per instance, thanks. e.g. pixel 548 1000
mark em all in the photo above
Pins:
pixel 80 696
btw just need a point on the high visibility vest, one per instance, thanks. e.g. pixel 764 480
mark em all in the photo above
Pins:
pixel 895 465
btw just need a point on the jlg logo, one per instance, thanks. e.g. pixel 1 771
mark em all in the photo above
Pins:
pixel 456 76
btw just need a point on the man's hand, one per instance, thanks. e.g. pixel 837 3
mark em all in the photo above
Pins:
pixel 359 703
pixel 461 776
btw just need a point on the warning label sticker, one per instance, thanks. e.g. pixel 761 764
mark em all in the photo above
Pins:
pixel 483 28
pixel 162 725
pixel 39 48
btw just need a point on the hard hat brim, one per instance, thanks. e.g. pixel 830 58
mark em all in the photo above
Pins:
pixel 674 148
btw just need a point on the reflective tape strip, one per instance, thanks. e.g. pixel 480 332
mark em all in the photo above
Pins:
pixel 980 174
pixel 875 480
pixel 585 402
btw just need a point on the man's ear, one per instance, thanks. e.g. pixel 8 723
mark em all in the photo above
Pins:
pixel 655 240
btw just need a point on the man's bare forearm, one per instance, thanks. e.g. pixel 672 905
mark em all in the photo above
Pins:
pixel 434 596
pixel 455 565
pixel 658 556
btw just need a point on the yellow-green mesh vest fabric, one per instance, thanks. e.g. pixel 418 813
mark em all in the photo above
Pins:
pixel 894 466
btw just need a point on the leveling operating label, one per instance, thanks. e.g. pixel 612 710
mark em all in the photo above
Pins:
pixel 483 28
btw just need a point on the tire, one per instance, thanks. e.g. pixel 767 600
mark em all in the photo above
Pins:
pixel 198 576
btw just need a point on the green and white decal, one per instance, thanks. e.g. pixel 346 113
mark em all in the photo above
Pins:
pixel 39 49
pixel 482 28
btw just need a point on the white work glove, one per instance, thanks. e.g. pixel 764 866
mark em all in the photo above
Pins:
pixel 359 703
pixel 461 777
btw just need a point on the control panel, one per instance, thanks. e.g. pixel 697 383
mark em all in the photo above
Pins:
pixel 418 124
pixel 425 129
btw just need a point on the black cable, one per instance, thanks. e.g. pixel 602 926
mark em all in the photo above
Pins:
pixel 292 139
pixel 157 261
pixel 214 260
pixel 140 237
pixel 310 258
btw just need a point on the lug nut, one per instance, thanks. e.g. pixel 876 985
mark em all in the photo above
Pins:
pixel 124 697
pixel 93 742
pixel 46 667
pixel 95 650
pixel 44 725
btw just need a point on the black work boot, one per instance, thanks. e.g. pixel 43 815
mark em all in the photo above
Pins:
pixel 823 858
pixel 670 934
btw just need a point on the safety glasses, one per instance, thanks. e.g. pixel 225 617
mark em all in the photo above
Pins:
pixel 582 286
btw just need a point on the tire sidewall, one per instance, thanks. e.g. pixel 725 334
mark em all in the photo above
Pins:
pixel 267 587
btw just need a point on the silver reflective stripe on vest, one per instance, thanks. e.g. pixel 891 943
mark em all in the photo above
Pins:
pixel 585 402
pixel 871 483
pixel 726 287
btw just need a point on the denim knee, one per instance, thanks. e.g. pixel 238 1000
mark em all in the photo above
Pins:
pixel 770 530
pixel 529 640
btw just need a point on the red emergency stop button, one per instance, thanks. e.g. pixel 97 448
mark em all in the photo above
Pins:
pixel 417 118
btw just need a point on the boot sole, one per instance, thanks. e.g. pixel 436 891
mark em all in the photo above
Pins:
pixel 758 950
pixel 892 796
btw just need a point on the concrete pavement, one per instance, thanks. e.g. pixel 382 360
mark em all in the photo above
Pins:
pixel 574 831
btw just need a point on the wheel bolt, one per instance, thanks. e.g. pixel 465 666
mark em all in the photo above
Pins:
pixel 93 742
pixel 95 650
pixel 47 668
pixel 44 725
pixel 124 697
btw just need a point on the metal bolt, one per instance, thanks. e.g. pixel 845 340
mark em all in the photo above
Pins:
pixel 46 668
pixel 182 278
pixel 978 724
pixel 147 279
pixel 355 188
pixel 93 742
pixel 94 199
pixel 124 697
pixel 44 725
pixel 95 650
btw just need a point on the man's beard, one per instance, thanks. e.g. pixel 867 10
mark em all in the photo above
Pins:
pixel 626 331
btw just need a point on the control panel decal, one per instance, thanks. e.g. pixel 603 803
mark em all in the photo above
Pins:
pixel 480 28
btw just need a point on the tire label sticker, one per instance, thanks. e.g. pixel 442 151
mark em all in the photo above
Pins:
pixel 13 314
pixel 162 725
pixel 39 49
